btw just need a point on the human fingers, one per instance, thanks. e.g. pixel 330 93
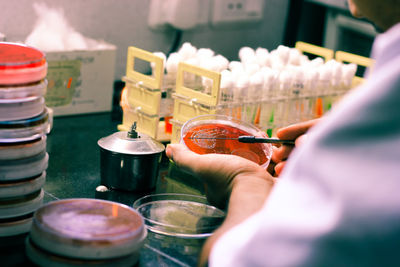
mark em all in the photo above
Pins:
pixel 279 167
pixel 281 153
pixel 295 130
pixel 209 166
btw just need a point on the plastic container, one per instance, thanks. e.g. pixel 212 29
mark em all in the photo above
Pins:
pixel 21 64
pixel 179 224
pixel 207 134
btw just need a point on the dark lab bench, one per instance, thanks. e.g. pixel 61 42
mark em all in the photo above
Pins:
pixel 74 172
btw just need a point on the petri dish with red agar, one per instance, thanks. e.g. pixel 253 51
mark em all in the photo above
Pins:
pixel 21 64
pixel 214 133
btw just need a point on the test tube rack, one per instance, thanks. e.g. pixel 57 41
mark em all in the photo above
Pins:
pixel 141 100
pixel 160 107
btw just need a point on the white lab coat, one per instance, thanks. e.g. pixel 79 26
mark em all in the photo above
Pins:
pixel 338 201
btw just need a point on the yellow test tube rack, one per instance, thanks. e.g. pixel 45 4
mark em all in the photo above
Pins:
pixel 190 102
pixel 142 99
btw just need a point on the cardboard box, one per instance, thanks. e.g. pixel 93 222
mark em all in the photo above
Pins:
pixel 80 81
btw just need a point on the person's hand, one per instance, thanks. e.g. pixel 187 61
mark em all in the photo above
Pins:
pixel 280 154
pixel 219 172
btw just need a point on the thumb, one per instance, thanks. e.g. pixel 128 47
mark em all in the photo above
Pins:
pixel 182 156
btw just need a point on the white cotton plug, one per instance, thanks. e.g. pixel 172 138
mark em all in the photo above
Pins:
pixel 304 60
pixel 227 84
pixel 283 52
pixel 294 56
pixel 285 79
pixel 349 71
pixel 161 55
pixel 226 78
pixel 211 64
pixel 222 62
pixel 256 85
pixel 251 68
pixel 240 88
pixel 173 62
pixel 262 56
pixel 317 62
pixel 193 61
pixel 246 53
pixel 275 60
pixel 268 82
pixel 324 81
pixel 336 73
pixel 205 53
pixel 325 72
pixel 312 77
pixel 233 65
pixel 187 51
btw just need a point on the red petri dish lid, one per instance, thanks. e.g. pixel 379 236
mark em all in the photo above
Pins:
pixel 19 56
pixel 21 64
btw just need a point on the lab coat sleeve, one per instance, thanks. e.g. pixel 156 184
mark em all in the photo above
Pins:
pixel 338 201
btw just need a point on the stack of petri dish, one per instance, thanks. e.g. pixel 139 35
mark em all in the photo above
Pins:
pixel 24 123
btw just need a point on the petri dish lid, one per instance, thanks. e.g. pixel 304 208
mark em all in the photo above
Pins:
pixel 13 170
pixel 20 64
pixel 9 151
pixel 23 187
pixel 179 215
pixel 25 90
pixel 25 129
pixel 21 108
pixel 88 228
pixel 120 142
pixel 15 227
pixel 14 207
pixel 205 134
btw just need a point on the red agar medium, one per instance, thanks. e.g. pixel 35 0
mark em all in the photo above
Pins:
pixel 21 64
pixel 254 152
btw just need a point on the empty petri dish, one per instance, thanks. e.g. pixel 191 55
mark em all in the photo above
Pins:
pixel 179 215
pixel 217 134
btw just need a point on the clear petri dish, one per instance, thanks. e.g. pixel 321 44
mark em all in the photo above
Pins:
pixel 15 207
pixel 16 226
pixel 24 130
pixel 207 134
pixel 21 108
pixel 10 151
pixel 24 90
pixel 20 169
pixel 21 64
pixel 179 215
pixel 24 187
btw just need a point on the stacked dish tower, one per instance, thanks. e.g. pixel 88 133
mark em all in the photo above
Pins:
pixel 24 123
